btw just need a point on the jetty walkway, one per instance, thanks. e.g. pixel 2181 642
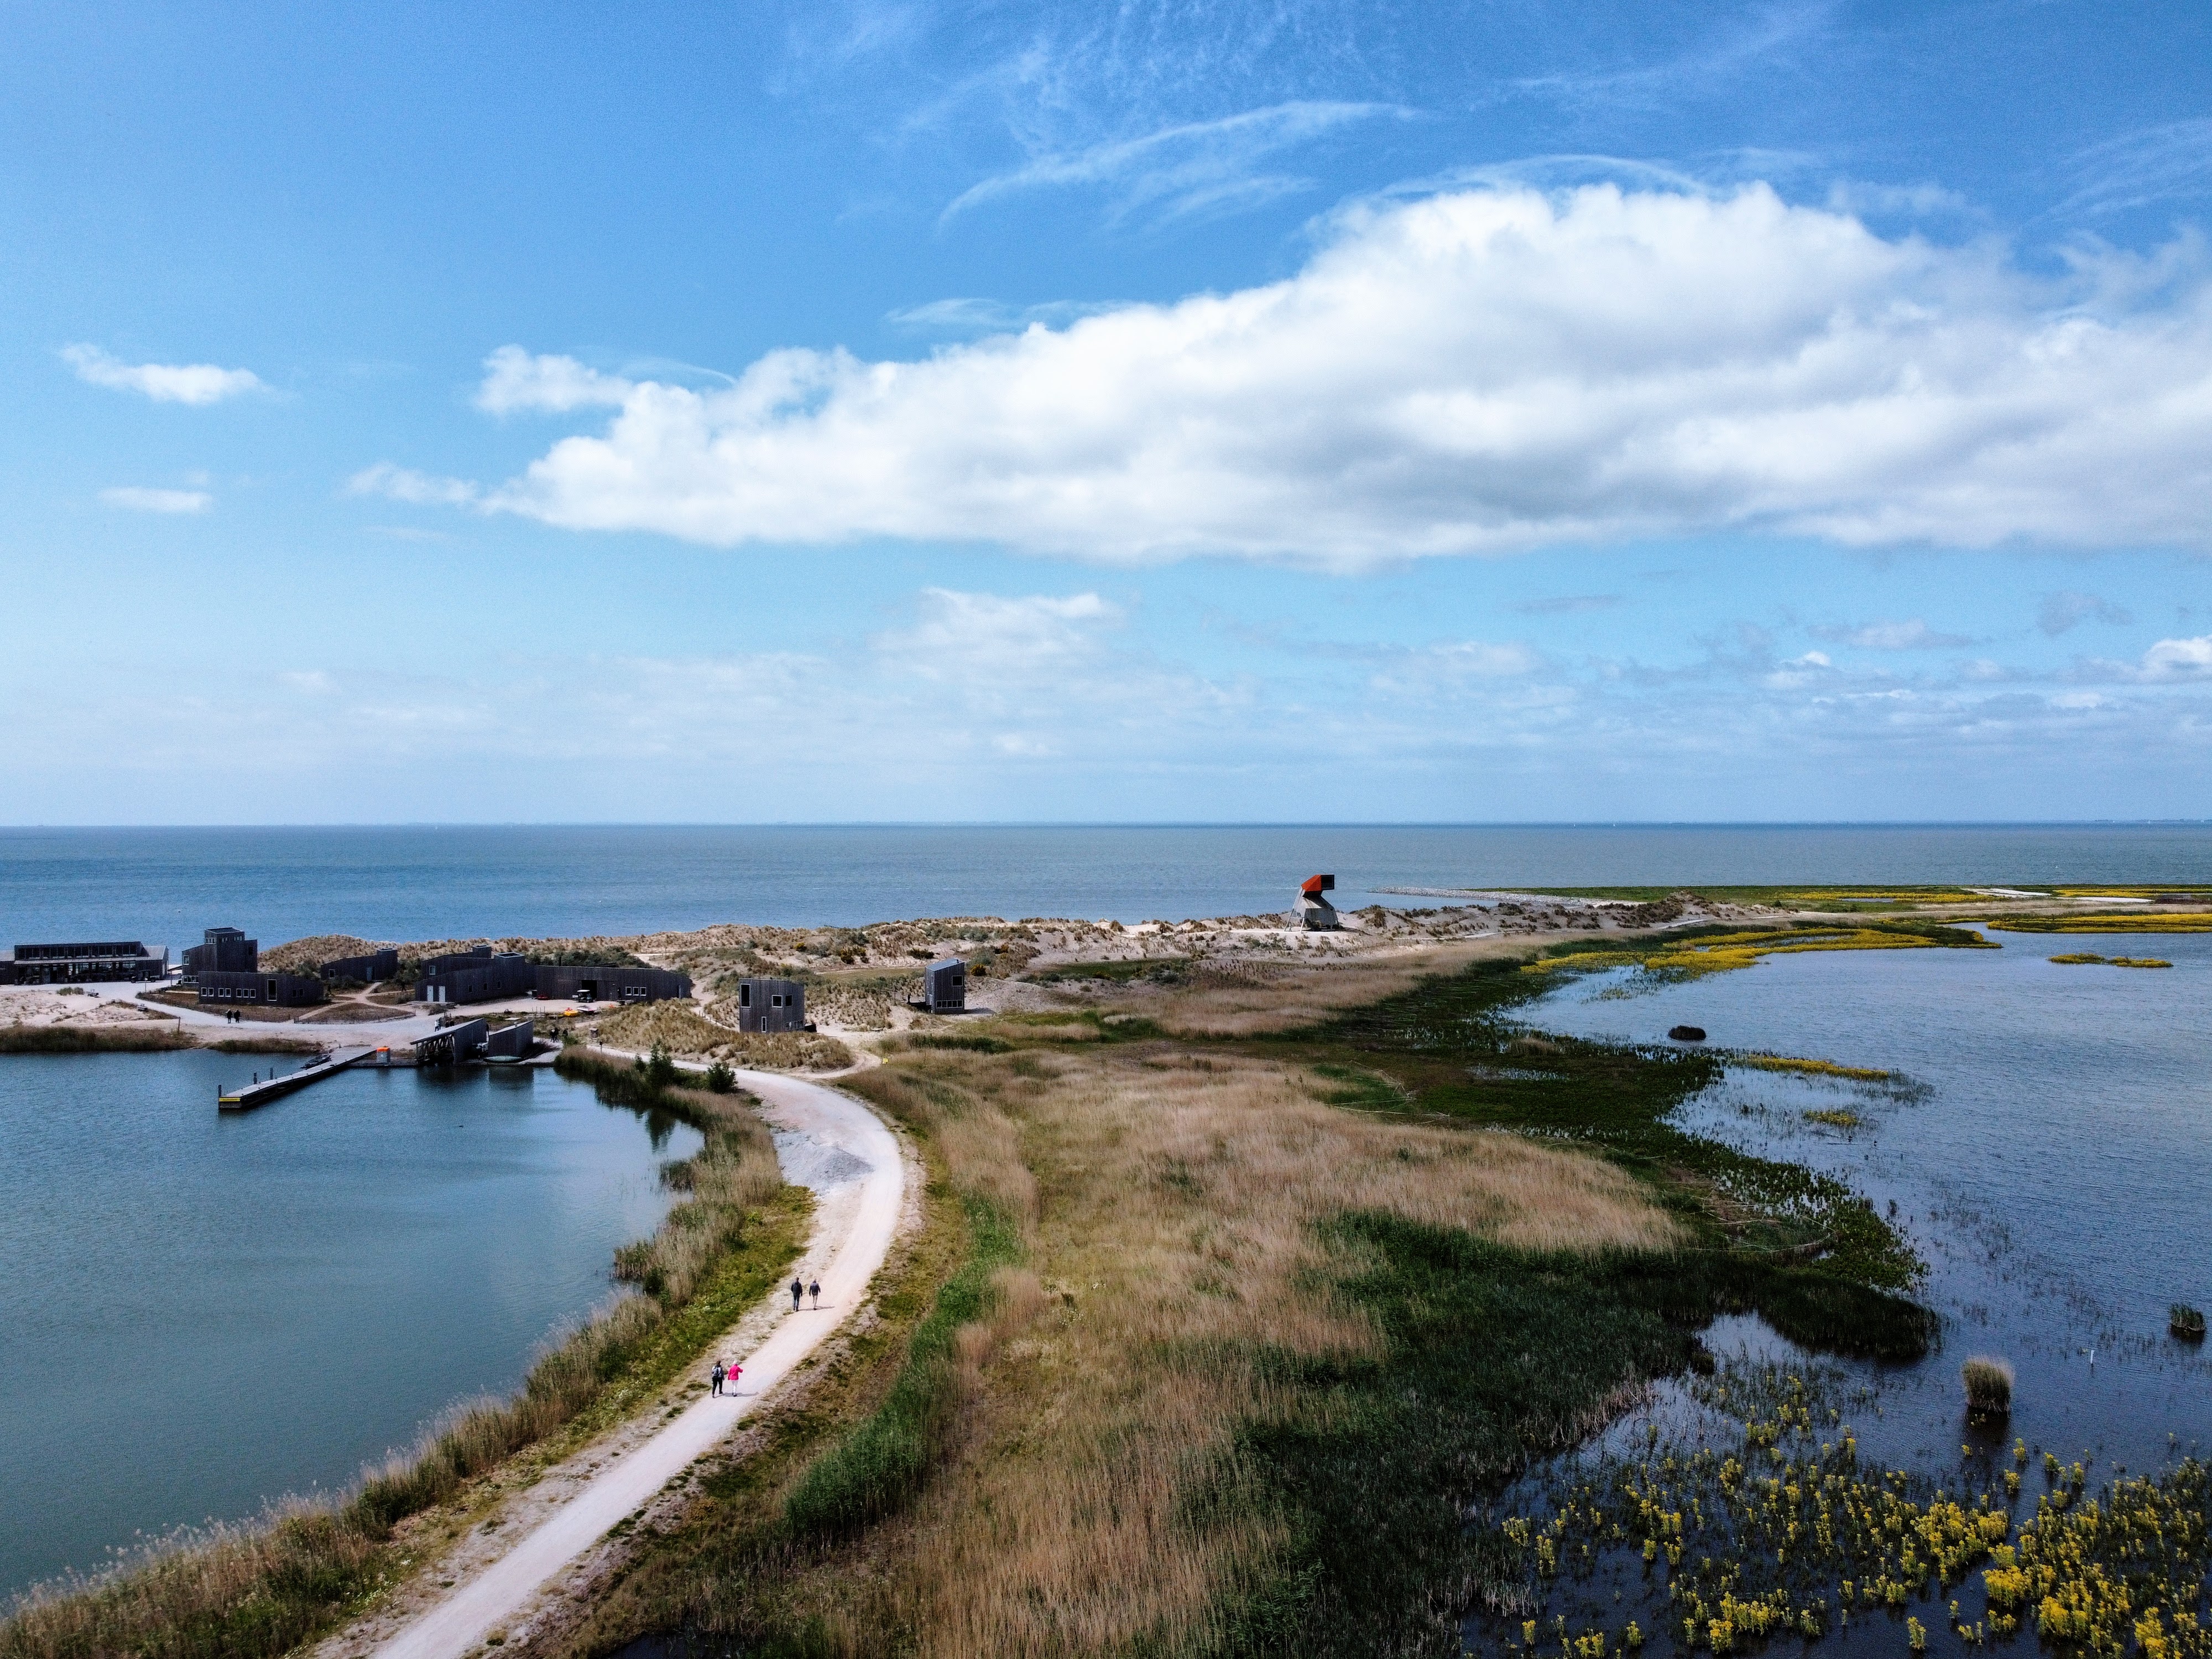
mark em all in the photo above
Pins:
pixel 247 1096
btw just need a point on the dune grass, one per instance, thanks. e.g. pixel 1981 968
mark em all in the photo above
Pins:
pixel 257 1590
pixel 677 1027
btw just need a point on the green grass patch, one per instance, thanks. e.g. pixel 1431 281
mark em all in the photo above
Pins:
pixel 879 1466
pixel 970 1042
pixel 1166 970
pixel 1359 1090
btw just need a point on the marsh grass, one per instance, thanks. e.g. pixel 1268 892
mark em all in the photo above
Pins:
pixel 1273 1343
pixel 20 1039
pixel 1811 1067
pixel 2186 1322
pixel 2074 957
pixel 1988 1382
pixel 246 1592
pixel 2132 922
pixel 1692 953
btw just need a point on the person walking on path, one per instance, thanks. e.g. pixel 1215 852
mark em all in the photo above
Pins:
pixel 814 1289
pixel 719 1374
pixel 798 1289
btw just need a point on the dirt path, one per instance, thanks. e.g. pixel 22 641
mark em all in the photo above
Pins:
pixel 825 1141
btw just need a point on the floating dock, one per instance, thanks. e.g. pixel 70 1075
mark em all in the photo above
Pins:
pixel 246 1099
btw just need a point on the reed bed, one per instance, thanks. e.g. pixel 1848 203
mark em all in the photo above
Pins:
pixel 147 1038
pixel 1988 1381
pixel 2084 957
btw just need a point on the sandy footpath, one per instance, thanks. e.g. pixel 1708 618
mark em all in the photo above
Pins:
pixel 825 1141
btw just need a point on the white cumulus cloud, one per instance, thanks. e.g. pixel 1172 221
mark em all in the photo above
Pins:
pixel 1481 371
pixel 164 383
pixel 515 381
pixel 2179 659
pixel 135 499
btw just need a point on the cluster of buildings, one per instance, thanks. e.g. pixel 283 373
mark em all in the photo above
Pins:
pixel 483 974
pixel 225 968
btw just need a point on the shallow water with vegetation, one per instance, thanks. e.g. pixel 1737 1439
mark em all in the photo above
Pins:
pixel 203 1312
pixel 2045 1136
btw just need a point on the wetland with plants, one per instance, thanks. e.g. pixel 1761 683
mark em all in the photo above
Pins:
pixel 1408 1292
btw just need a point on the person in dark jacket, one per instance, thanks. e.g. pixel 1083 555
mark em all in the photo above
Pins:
pixel 814 1289
pixel 719 1375
pixel 798 1289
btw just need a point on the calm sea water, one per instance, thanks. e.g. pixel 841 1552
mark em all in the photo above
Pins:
pixel 201 1312
pixel 165 886
pixel 2056 1172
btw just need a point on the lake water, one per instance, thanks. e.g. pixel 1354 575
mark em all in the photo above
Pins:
pixel 2056 1172
pixel 201 1312
pixel 165 886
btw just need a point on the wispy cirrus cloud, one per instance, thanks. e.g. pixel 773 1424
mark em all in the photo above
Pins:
pixel 134 498
pixel 2168 162
pixel 164 383
pixel 1186 168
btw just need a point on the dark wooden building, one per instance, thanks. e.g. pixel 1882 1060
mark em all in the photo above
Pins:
pixel 771 1005
pixel 224 951
pixel 570 982
pixel 363 969
pixel 269 990
pixel 945 985
pixel 83 964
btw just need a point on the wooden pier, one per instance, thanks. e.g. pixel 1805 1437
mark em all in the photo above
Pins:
pixel 245 1098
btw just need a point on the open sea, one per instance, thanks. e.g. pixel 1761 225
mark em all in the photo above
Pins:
pixel 415 882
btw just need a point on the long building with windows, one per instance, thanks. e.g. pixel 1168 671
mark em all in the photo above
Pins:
pixel 269 990
pixel 100 963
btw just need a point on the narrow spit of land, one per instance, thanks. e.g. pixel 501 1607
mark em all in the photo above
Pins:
pixel 828 1141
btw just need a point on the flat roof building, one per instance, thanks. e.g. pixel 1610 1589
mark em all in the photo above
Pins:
pixel 945 985
pixel 475 975
pixel 771 1005
pixel 99 963
pixel 269 990
pixel 368 969
pixel 585 983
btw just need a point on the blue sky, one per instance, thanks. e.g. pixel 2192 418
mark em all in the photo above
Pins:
pixel 1173 411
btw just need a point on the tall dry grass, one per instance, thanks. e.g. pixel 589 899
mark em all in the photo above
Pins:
pixel 680 1029
pixel 1171 1203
